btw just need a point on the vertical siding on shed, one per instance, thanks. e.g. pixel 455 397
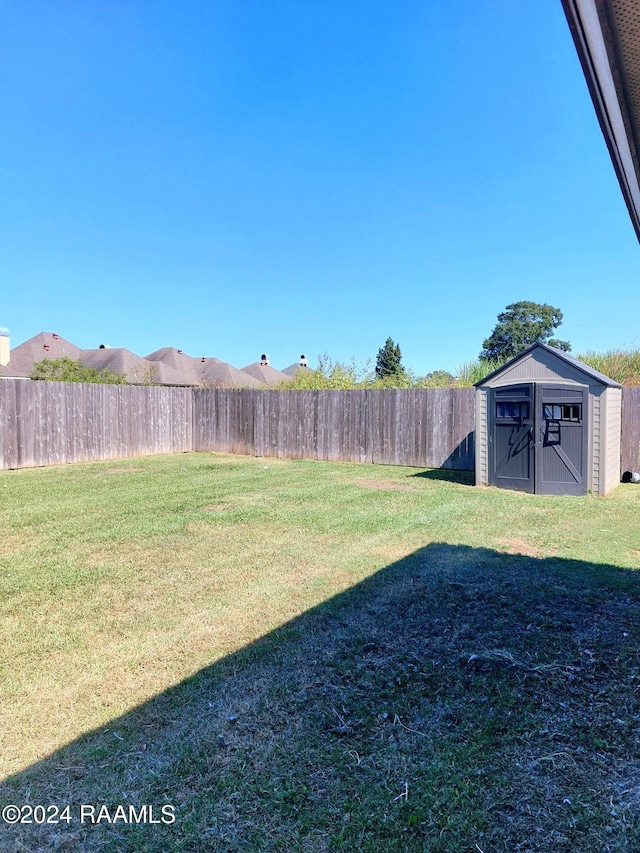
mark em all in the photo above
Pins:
pixel 482 438
pixel 612 405
pixel 596 440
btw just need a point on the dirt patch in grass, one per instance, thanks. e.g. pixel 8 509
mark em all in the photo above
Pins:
pixel 390 553
pixel 386 485
pixel 518 546
pixel 10 543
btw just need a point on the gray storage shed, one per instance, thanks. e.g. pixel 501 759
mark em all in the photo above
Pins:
pixel 549 424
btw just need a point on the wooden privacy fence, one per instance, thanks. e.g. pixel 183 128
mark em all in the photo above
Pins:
pixel 48 423
pixel 422 427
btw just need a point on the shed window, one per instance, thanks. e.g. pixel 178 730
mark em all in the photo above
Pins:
pixel 512 410
pixel 564 412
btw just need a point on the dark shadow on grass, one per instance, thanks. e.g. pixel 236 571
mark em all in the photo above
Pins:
pixel 463 478
pixel 459 699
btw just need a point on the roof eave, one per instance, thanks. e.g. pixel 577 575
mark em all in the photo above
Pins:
pixel 603 66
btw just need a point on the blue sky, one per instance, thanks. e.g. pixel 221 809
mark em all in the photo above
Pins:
pixel 234 177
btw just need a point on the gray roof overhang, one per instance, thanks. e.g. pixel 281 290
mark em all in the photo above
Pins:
pixel 606 34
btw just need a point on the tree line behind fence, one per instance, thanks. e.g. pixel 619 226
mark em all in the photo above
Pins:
pixel 50 423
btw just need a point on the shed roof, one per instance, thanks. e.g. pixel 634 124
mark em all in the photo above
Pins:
pixel 563 357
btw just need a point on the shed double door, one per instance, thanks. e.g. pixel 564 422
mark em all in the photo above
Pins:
pixel 538 438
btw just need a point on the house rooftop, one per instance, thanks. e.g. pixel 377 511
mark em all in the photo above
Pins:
pixel 165 366
pixel 264 373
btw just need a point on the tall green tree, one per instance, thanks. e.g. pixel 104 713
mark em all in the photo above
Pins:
pixel 68 370
pixel 389 360
pixel 520 325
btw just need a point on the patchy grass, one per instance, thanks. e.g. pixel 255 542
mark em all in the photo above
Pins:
pixel 316 657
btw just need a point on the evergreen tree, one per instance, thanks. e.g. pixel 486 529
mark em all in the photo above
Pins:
pixel 388 360
pixel 521 325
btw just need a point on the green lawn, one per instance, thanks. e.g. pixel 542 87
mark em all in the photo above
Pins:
pixel 309 656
